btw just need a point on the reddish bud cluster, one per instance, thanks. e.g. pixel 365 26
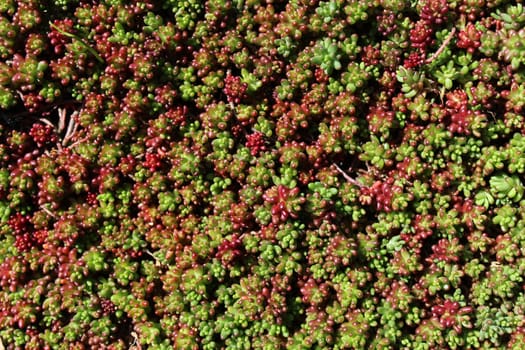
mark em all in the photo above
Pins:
pixel 379 118
pixel 234 89
pixel 91 199
pixel 255 142
pixel 240 216
pixel 152 161
pixel 43 134
pixel 447 313
pixel 165 95
pixel 423 226
pixel 107 178
pixel 443 251
pixel 19 223
pixel 178 115
pixel 370 55
pixel 23 78
pixel 127 164
pixel 312 293
pixel 395 292
pixel 32 101
pixel 24 242
pixel 40 236
pixel 421 35
pixel 107 307
pixel 58 40
pixel 381 193
pixel 441 180
pixel 434 11
pixel 461 117
pixel 469 38
pixel 27 10
pixel 63 70
pixel 448 308
pixel 414 59
pixel 50 189
pixel 280 210
pixel 321 76
pixel 407 168
pixel 464 206
pixel 9 274
pixel 386 22
pixel 461 121
pixel 228 250
pixel 456 100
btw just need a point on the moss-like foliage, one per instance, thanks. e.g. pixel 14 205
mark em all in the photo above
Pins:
pixel 258 174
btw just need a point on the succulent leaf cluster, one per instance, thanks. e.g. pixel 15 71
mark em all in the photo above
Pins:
pixel 222 174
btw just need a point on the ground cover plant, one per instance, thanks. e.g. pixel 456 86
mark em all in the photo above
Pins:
pixel 254 174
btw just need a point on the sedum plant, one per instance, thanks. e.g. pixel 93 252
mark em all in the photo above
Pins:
pixel 262 174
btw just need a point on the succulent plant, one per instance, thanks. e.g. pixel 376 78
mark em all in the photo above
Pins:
pixel 287 174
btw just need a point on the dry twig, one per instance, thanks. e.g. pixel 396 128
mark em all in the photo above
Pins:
pixel 348 177
pixel 442 47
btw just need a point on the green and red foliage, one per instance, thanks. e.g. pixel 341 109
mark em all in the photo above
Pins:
pixel 262 174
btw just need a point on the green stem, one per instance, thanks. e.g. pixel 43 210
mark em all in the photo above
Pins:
pixel 75 37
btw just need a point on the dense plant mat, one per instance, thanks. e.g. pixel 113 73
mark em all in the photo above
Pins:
pixel 262 175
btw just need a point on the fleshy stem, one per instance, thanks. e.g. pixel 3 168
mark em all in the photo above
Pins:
pixel 442 47
pixel 75 37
